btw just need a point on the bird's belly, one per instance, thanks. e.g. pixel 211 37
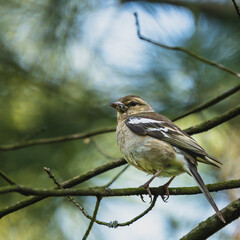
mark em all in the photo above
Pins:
pixel 152 155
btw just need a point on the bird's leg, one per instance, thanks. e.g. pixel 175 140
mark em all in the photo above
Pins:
pixel 146 185
pixel 166 189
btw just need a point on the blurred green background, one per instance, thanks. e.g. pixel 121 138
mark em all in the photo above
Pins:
pixel 63 61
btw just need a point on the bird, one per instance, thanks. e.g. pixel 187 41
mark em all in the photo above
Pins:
pixel 154 144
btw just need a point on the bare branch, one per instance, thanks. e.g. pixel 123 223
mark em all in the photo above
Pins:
pixel 192 130
pixel 140 215
pixel 190 53
pixel 213 9
pixel 100 150
pixel 211 102
pixel 93 218
pixel 67 184
pixel 213 224
pixel 107 192
pixel 55 139
pixel 71 199
pixel 93 173
pixel 116 177
pixel 236 7
pixel 6 178
pixel 34 134
pixel 50 174
pixel 207 125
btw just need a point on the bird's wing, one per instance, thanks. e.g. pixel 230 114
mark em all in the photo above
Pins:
pixel 157 126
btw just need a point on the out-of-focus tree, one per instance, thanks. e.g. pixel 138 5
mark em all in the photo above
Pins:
pixel 62 62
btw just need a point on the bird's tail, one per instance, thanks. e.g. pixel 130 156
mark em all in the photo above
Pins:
pixel 202 186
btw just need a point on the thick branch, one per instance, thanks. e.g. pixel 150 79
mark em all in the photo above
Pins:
pixel 207 125
pixel 107 192
pixel 210 103
pixel 67 184
pixel 190 53
pixel 213 224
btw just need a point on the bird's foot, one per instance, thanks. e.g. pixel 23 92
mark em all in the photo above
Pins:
pixel 165 197
pixel 146 186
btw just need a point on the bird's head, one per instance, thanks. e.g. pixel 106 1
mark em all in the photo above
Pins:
pixel 130 105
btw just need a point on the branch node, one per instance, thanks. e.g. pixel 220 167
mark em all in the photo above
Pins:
pixel 113 224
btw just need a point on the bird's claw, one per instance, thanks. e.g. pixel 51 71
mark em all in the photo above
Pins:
pixel 148 191
pixel 165 197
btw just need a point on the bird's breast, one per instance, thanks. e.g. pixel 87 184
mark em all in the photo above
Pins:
pixel 148 154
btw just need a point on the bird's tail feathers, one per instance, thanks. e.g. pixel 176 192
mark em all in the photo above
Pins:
pixel 202 186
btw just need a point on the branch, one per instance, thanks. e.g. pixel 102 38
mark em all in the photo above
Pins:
pixel 107 192
pixel 71 199
pixel 93 218
pixel 138 216
pixel 34 134
pixel 55 139
pixel 6 178
pixel 67 184
pixel 207 125
pixel 190 53
pixel 236 7
pixel 213 224
pixel 213 9
pixel 93 173
pixel 210 103
pixel 100 150
pixel 116 177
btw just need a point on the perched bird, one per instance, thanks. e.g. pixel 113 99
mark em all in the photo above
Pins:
pixel 154 144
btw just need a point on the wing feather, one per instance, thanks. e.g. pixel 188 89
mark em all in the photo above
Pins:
pixel 167 131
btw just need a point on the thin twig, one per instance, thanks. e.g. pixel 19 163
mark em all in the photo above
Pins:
pixel 100 150
pixel 116 177
pixel 211 102
pixel 190 53
pixel 93 173
pixel 213 224
pixel 50 174
pixel 140 215
pixel 93 218
pixel 71 199
pixel 34 134
pixel 6 178
pixel 236 7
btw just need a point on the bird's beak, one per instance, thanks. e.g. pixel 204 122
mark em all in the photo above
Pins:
pixel 119 106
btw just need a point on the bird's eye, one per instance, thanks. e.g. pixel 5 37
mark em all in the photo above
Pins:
pixel 133 103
